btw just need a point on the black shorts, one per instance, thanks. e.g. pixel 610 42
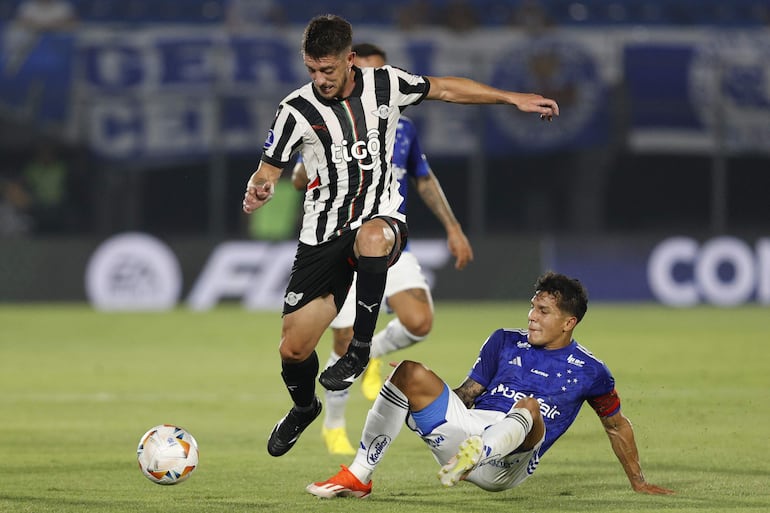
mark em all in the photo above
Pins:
pixel 328 268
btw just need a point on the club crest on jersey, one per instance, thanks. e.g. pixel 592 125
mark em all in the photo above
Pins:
pixel 365 152
pixel 383 111
pixel 292 298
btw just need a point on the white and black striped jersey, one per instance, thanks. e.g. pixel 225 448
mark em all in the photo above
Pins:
pixel 346 146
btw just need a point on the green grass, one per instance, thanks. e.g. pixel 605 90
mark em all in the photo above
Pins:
pixel 78 389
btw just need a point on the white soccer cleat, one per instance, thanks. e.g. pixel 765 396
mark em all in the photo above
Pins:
pixel 467 458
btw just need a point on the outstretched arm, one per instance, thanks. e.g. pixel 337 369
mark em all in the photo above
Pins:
pixel 621 434
pixel 433 196
pixel 465 90
pixel 260 187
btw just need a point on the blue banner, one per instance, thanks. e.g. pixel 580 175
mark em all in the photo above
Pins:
pixel 181 91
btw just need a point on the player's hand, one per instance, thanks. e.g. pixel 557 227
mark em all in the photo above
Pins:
pixel 257 195
pixel 652 489
pixel 460 248
pixel 546 107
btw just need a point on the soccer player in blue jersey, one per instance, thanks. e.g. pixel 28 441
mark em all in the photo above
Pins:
pixel 524 390
pixel 407 292
pixel 343 122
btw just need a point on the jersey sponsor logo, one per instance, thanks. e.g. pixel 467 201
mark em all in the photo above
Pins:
pixel 574 361
pixel 362 151
pixel 523 345
pixel 376 448
pixel 539 372
pixel 547 410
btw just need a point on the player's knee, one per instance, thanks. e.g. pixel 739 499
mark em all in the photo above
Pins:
pixel 531 404
pixel 418 326
pixel 408 372
pixel 417 317
pixel 292 353
pixel 374 238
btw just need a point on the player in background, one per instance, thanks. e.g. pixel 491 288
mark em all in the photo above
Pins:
pixel 344 125
pixel 522 393
pixel 407 292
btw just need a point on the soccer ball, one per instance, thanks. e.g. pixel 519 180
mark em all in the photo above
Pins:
pixel 167 454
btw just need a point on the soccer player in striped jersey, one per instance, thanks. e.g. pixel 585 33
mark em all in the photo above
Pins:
pixel 522 393
pixel 407 292
pixel 344 125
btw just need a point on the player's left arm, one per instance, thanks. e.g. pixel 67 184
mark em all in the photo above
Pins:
pixel 465 90
pixel 433 196
pixel 621 435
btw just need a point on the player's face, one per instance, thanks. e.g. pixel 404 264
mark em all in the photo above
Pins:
pixel 371 61
pixel 331 75
pixel 548 326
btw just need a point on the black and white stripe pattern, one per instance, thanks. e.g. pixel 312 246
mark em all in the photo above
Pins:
pixel 346 147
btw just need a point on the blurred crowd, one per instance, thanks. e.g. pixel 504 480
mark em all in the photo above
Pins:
pixel 458 15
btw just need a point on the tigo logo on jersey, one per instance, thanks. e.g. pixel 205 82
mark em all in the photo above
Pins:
pixel 359 150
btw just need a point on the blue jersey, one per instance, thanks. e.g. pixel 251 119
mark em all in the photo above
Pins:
pixel 408 158
pixel 511 369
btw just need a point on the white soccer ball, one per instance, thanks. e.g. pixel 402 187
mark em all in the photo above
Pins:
pixel 167 454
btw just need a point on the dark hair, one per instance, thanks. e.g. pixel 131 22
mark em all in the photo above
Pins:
pixel 570 295
pixel 368 50
pixel 326 35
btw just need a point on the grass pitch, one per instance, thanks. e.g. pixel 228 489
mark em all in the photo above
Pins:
pixel 78 389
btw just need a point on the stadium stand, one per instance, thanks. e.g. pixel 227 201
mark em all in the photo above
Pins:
pixel 741 13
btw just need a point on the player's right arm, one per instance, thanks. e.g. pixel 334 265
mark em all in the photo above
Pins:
pixel 621 435
pixel 467 91
pixel 260 187
pixel 468 391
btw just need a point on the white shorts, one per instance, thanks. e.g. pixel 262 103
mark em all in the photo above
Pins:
pixel 403 275
pixel 450 423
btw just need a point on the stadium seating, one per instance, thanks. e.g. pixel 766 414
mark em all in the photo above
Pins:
pixel 488 12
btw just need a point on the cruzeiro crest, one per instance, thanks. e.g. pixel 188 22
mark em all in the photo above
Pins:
pixel 556 68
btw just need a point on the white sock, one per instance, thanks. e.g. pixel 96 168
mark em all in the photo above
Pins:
pixel 336 402
pixel 392 338
pixel 505 436
pixel 383 423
